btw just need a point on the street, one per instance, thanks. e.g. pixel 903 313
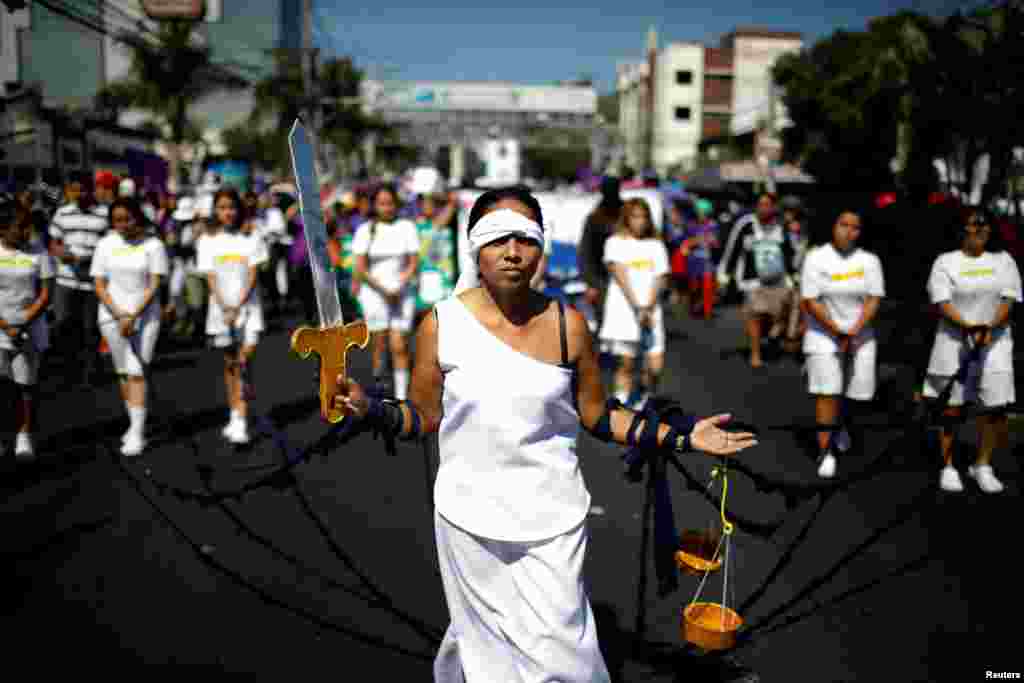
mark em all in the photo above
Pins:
pixel 334 572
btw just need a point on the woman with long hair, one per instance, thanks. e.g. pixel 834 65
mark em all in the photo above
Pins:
pixel 231 261
pixel 128 267
pixel 26 280
pixel 975 288
pixel 633 322
pixel 387 255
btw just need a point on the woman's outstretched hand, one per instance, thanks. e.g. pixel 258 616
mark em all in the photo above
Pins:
pixel 351 398
pixel 707 437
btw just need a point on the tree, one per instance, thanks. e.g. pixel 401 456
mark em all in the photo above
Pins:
pixel 170 72
pixel 608 107
pixel 849 99
pixel 280 99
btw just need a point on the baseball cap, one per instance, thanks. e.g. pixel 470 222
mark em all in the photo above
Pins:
pixel 105 179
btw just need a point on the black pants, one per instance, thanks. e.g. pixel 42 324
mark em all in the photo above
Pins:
pixel 77 331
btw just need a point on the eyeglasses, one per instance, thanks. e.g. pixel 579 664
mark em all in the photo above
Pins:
pixel 978 222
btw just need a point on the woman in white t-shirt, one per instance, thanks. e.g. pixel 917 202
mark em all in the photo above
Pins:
pixel 231 260
pixel 26 280
pixel 633 322
pixel 841 287
pixel 387 255
pixel 127 267
pixel 974 289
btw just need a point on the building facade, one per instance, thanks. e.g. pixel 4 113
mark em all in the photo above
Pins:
pixel 493 120
pixel 686 98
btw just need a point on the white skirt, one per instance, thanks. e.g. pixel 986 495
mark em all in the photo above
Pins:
pixel 519 611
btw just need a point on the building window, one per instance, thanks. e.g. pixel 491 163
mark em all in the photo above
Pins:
pixel 684 77
pixel 682 113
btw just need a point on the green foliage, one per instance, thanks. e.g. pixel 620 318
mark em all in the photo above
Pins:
pixel 876 107
pixel 169 73
pixel 280 99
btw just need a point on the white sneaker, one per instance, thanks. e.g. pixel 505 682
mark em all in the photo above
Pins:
pixel 240 435
pixel 23 449
pixel 133 445
pixel 843 441
pixel 985 477
pixel 949 480
pixel 827 466
pixel 229 428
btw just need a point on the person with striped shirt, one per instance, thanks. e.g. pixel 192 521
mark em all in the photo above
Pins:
pixel 76 229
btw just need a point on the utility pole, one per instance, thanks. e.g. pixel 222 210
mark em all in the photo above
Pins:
pixel 309 86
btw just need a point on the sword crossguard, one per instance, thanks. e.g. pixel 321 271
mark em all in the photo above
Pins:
pixel 332 345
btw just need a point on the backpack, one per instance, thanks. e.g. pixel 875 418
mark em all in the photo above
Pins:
pixel 769 260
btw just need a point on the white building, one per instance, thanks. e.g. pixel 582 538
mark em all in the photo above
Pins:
pixel 670 125
pixel 686 94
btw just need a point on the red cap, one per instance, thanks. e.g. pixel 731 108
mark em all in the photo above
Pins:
pixel 105 179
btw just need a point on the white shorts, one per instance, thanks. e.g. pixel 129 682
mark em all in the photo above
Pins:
pixel 247 337
pixel 825 373
pixel 379 315
pixel 618 347
pixel 123 353
pixel 990 389
pixel 21 367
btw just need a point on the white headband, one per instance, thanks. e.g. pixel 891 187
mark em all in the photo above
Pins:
pixel 494 226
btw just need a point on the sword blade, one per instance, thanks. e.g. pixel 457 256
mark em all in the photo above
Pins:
pixel 324 282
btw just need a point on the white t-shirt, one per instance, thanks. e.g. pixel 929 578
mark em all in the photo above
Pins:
pixel 644 260
pixel 842 284
pixel 229 256
pixel 975 287
pixel 21 276
pixel 127 267
pixel 392 243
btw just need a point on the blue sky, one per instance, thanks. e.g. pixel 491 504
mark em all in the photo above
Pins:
pixel 539 42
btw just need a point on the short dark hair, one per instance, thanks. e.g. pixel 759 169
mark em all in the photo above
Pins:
pixel 130 205
pixel 488 199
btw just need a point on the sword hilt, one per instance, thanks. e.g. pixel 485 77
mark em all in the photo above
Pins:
pixel 331 345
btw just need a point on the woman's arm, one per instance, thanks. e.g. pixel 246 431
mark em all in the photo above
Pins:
pixel 149 293
pixel 618 272
pixel 591 399
pixel 424 390
pixel 412 262
pixel 39 305
pixel 660 283
pixel 951 315
pixel 362 273
pixel 1002 318
pixel 817 310
pixel 871 305
pixel 103 294
pixel 250 285
pixel 211 281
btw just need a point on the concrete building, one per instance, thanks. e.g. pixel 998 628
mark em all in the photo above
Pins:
pixel 685 98
pixel 486 121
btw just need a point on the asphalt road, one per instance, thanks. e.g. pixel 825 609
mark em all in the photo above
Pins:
pixel 334 572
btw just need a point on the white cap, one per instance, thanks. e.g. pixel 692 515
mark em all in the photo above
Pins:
pixel 185 210
pixel 126 188
pixel 426 180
